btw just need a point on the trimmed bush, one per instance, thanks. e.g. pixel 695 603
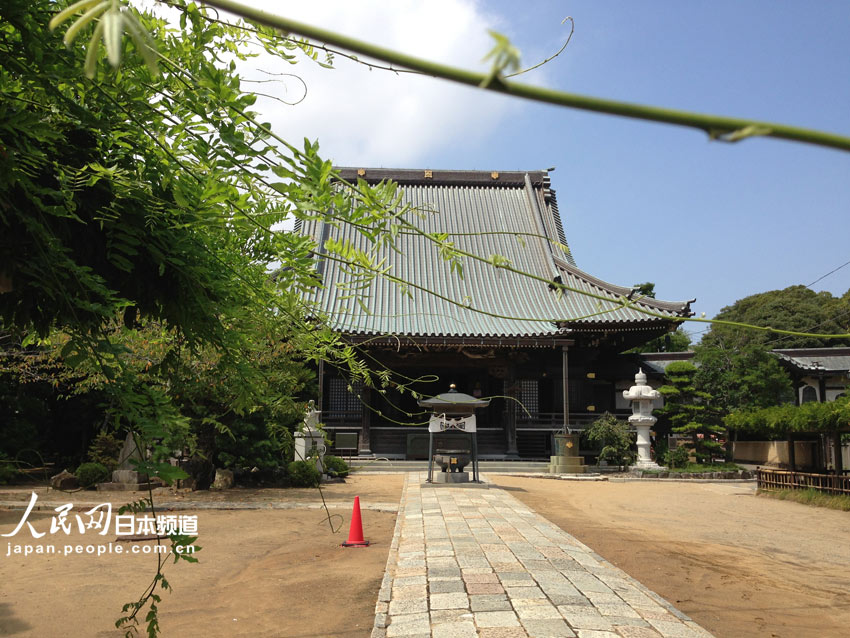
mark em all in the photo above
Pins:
pixel 613 437
pixel 304 474
pixel 90 474
pixel 677 457
pixel 105 449
pixel 335 466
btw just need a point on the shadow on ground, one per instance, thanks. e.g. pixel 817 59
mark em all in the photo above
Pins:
pixel 9 625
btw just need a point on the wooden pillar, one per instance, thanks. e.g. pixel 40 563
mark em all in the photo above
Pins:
pixel 510 418
pixel 839 462
pixel 822 389
pixel 566 378
pixel 364 446
pixel 321 393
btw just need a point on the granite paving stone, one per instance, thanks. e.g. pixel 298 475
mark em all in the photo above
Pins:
pixel 630 631
pixel 408 606
pixel 613 609
pixel 489 602
pixel 585 619
pixel 449 601
pixel 547 629
pixel 496 619
pixel 450 615
pixel 524 592
pixel 464 629
pixel 472 563
pixel 627 621
pixel 407 592
pixel 447 587
pixel 545 611
pixel 502 632
pixel 484 588
pixel 403 625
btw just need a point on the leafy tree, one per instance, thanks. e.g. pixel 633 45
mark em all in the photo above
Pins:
pixel 144 198
pixel 746 377
pixel 613 438
pixel 677 341
pixel 780 420
pixel 646 289
pixel 794 308
pixel 689 411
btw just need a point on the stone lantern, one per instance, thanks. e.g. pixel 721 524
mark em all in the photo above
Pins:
pixel 309 440
pixel 641 397
pixel 453 426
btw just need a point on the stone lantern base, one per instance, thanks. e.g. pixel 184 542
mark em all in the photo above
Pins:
pixel 645 465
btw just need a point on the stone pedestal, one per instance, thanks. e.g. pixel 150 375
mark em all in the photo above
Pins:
pixel 566 459
pixel 125 478
pixel 642 396
pixel 451 477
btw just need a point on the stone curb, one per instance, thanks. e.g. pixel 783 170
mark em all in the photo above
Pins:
pixel 382 606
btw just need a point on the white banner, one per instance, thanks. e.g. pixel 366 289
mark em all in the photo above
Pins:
pixel 443 423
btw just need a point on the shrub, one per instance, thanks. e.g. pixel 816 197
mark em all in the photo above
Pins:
pixel 613 437
pixel 677 457
pixel 90 474
pixel 105 449
pixel 8 470
pixel 304 474
pixel 335 466
pixel 661 450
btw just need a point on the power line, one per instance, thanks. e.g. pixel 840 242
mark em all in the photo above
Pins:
pixel 786 337
pixel 846 263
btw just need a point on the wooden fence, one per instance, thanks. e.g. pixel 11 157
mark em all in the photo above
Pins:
pixel 785 480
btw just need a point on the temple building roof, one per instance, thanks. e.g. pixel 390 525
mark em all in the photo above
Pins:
pixel 507 218
pixel 816 360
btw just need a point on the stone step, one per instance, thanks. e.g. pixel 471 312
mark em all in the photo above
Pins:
pixel 524 467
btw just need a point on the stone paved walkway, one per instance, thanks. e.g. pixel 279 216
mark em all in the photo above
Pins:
pixel 474 562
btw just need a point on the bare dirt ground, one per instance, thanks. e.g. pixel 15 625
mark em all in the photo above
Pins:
pixel 262 573
pixel 738 564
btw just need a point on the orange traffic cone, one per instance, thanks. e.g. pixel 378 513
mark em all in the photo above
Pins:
pixel 355 532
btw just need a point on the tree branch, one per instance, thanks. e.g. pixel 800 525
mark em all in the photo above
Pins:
pixel 716 126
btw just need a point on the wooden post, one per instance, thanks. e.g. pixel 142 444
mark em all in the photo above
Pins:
pixel 839 462
pixel 364 447
pixel 566 378
pixel 510 418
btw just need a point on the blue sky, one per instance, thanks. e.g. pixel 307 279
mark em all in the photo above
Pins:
pixel 640 201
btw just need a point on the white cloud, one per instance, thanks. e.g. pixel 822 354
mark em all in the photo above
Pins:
pixel 378 118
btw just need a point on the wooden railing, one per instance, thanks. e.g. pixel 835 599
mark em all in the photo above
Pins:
pixel 548 420
pixel 555 420
pixel 339 419
pixel 786 480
